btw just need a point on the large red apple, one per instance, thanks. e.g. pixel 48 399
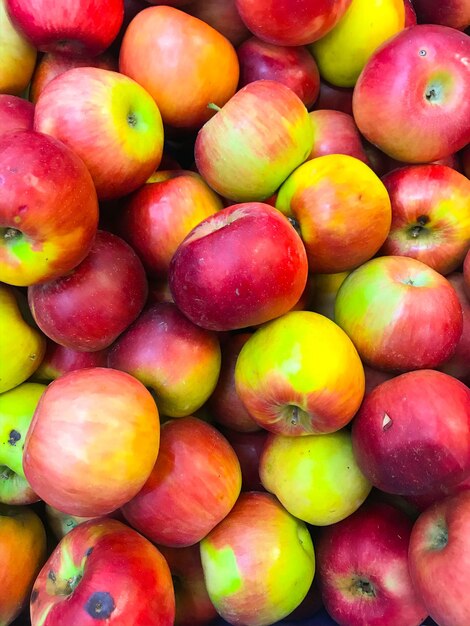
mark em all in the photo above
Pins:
pixel 412 433
pixel 15 113
pixel 242 266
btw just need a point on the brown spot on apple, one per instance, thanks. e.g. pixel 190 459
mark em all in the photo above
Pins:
pixel 14 437
pixel 100 605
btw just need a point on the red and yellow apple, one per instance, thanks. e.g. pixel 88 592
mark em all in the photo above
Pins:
pixel 15 113
pixel 59 360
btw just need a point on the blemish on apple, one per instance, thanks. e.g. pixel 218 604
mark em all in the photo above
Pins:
pixel 100 605
pixel 14 437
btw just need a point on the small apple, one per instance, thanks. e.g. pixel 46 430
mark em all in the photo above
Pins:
pixel 15 113
pixel 17 54
pixel 59 360
pixel 335 132
pixel 221 15
pixel 324 290
pixel 334 98
pixel 453 13
pixel 248 447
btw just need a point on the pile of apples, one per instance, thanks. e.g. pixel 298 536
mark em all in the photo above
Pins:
pixel 234 312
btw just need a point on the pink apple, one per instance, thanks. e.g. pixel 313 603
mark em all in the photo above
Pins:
pixel 459 363
pixel 453 13
pixel 335 132
pixel 253 268
pixel 59 360
pixel 15 114
pixel 221 15
pixel 428 63
pixel 91 306
pixel 412 433
pixel 193 485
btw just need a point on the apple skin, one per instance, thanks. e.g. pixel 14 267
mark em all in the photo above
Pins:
pixel 248 447
pixel 452 13
pixel 363 567
pixel 375 377
pixel 431 123
pixel 401 441
pixel 103 571
pixel 299 375
pixel 92 414
pixel 400 314
pixel 48 229
pixel 316 477
pixel 335 132
pixel 22 554
pixel 277 137
pixel 459 363
pixel 291 23
pixel 59 360
pixel 466 274
pixel 334 98
pixel 254 268
pixel 221 15
pixel 193 485
pixel 342 208
pixel 465 159
pixel 439 547
pixel 67 27
pixel 177 360
pixel 430 216
pixel 410 13
pixel 128 146
pixel 17 54
pixel 93 304
pixel 15 114
pixel 258 562
pixel 324 290
pixel 294 67
pixel 157 217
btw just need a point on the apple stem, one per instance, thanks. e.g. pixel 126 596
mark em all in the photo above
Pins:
pixel 213 106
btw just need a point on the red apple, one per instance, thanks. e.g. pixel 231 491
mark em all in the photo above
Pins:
pixel 221 15
pixel 15 114
pixel 47 227
pixel 363 569
pixel 412 433
pixel 103 571
pixel 430 216
pixel 375 377
pixel 91 306
pixel 410 13
pixel 248 447
pixel 193 485
pixel 465 158
pixel 253 268
pixel 72 27
pixel 459 363
pixel 429 64
pixel 466 274
pixel 334 98
pixel 104 429
pixel 336 132
pixel 453 13
pixel 59 360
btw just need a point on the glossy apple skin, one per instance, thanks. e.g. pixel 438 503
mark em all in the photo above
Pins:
pixel 204 65
pixel 334 98
pixel 299 375
pixel 129 145
pixel 316 477
pixel 59 360
pixel 294 67
pixel 177 360
pixel 15 113
pixel 459 363
pixel 410 13
pixel 91 306
pixel 258 562
pixel 87 415
pixel 159 215
pixel 248 447
pixel 254 269
pixel 291 23
pixel 363 568
pixel 342 208
pixel 401 440
pixel 103 571
pixel 221 15
pixel 67 27
pixel 22 554
pixel 439 548
pixel 400 314
pixel 335 132
pixel 45 230
pixel 452 13
pixel 17 54
pixel 432 121
pixel 430 216
pixel 193 485
pixel 277 137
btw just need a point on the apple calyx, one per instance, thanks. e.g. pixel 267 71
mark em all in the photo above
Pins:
pixel 416 230
pixel 132 119
pixel 362 587
pixel 438 537
pixel 11 234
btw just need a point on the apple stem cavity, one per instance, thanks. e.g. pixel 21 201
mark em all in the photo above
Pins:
pixel 6 473
pixel 132 119
pixel 416 230
pixel 10 234
pixel 361 587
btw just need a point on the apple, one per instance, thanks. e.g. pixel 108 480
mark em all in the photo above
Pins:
pixel 294 67
pixel 258 562
pixel 156 218
pixel 465 158
pixel 439 548
pixel 203 68
pixel 324 290
pixel 109 120
pixel 22 347
pixel 17 407
pixel 334 98
pixel 248 447
pixel 247 150
pixel 253 268
pixel 68 27
pixel 59 360
pixel 400 314
pixel 291 23
pixel 103 571
pixel 342 208
pixel 300 374
pixel 46 229
pixel 177 360
pixel 15 114
pixel 316 477
pixel 453 13
pixel 375 377
pixel 17 54
pixel 411 435
pixel 221 15
pixel 22 554
pixel 459 363
pixel 410 13
pixel 466 274
pixel 88 308
pixel 363 567
pixel 104 429
pixel 428 63
pixel 335 132
pixel 62 523
pixel 430 216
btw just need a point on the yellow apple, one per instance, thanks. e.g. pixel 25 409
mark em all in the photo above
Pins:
pixel 18 57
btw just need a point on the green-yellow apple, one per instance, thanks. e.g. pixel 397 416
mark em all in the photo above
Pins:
pixel 315 477
pixel 300 374
pixel 62 523
pixel 17 54
pixel 258 562
pixel 324 290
